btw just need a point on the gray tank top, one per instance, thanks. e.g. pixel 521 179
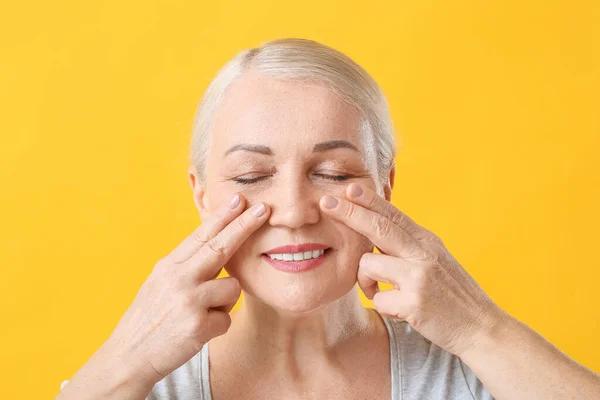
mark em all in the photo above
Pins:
pixel 419 370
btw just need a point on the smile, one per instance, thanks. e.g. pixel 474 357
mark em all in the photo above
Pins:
pixel 306 255
pixel 297 258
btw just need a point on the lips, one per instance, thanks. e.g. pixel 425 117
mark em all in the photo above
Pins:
pixel 297 265
pixel 297 248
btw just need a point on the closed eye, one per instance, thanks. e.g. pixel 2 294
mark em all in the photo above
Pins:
pixel 337 178
pixel 251 180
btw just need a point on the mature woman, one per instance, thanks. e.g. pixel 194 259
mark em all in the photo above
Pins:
pixel 292 171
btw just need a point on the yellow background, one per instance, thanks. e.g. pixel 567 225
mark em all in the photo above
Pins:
pixel 496 104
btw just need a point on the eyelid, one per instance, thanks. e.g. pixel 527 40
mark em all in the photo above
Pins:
pixel 249 181
pixel 336 177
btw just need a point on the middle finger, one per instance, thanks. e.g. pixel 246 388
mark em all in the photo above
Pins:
pixel 372 201
pixel 208 229
pixel 384 234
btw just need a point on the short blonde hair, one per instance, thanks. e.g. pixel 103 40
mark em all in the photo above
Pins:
pixel 304 60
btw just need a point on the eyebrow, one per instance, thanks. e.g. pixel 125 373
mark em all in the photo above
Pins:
pixel 256 148
pixel 318 148
pixel 333 144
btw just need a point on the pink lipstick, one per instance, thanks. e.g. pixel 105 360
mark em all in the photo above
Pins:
pixel 297 258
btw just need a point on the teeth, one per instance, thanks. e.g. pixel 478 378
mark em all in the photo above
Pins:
pixel 297 256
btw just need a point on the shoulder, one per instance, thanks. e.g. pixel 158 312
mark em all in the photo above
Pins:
pixel 183 383
pixel 428 371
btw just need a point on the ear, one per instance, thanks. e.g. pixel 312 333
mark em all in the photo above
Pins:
pixel 387 189
pixel 199 192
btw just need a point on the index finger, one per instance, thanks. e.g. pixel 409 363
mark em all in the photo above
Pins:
pixel 384 234
pixel 371 200
pixel 216 252
pixel 208 229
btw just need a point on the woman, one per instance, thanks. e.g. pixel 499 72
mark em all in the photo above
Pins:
pixel 292 172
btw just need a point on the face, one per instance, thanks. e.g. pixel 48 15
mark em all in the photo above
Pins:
pixel 288 143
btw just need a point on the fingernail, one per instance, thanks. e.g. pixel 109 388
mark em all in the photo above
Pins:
pixel 330 202
pixel 258 210
pixel 355 190
pixel 235 200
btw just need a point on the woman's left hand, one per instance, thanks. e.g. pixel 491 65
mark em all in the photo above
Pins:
pixel 432 291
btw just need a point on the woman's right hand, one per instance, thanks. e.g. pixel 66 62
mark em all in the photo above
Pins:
pixel 181 305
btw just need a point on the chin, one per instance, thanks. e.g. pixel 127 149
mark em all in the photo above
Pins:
pixel 297 300
pixel 295 293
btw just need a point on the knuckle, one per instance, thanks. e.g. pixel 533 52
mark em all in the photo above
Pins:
pixel 189 304
pixel 397 277
pixel 164 274
pixel 177 281
pixel 418 275
pixel 161 264
pixel 397 218
pixel 196 326
pixel 419 252
pixel 350 211
pixel 429 255
pixel 437 269
pixel 181 302
pixel 199 236
pixel 435 239
pixel 382 226
pixel 372 201
pixel 217 247
pixel 440 242
pixel 428 276
pixel 243 223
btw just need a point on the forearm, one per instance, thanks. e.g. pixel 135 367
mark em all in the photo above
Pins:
pixel 515 362
pixel 108 374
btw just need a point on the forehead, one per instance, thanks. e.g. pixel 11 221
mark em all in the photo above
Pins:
pixel 260 109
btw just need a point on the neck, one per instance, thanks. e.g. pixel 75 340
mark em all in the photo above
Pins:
pixel 290 339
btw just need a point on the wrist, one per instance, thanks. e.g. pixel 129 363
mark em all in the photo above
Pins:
pixel 499 331
pixel 107 375
pixel 113 373
pixel 129 368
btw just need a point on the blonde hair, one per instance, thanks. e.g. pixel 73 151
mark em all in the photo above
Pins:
pixel 304 60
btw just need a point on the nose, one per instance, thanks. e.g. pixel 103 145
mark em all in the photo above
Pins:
pixel 294 202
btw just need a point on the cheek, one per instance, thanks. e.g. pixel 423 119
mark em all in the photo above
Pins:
pixel 214 198
pixel 221 193
pixel 357 244
pixel 246 256
pixel 353 247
